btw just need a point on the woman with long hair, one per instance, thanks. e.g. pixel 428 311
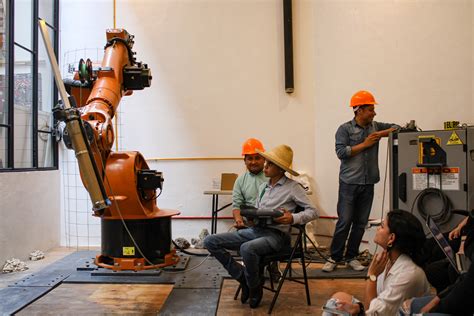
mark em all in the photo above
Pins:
pixel 394 274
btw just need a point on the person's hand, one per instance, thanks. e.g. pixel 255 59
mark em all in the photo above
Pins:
pixel 353 309
pixel 455 233
pixel 372 139
pixel 406 306
pixel 239 221
pixel 378 263
pixel 286 218
pixel 432 304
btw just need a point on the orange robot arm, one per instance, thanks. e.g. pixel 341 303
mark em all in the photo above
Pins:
pixel 135 233
pixel 99 93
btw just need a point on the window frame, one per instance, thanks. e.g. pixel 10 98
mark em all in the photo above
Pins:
pixel 10 69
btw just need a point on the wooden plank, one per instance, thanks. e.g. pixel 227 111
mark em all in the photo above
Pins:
pixel 96 299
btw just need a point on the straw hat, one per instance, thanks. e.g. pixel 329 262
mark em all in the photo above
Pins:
pixel 282 156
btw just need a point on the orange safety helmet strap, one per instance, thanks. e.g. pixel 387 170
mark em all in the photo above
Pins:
pixel 362 98
pixel 250 145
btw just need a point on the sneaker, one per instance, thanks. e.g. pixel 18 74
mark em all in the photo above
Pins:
pixel 329 266
pixel 356 265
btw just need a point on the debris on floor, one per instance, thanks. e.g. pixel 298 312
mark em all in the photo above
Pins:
pixel 14 265
pixel 36 255
pixel 198 243
pixel 182 243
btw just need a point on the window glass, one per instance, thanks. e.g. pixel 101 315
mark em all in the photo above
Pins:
pixel 22 105
pixel 46 11
pixel 26 141
pixel 45 104
pixel 23 22
pixel 3 86
pixel 3 65
pixel 45 149
pixel 45 77
pixel 3 147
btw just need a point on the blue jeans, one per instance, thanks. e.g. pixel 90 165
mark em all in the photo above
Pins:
pixel 353 209
pixel 253 243
pixel 418 303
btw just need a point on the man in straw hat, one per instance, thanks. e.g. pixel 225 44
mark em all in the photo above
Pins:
pixel 357 146
pixel 254 242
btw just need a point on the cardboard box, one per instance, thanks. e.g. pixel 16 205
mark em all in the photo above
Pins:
pixel 227 181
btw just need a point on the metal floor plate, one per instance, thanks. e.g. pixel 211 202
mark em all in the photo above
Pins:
pixel 200 273
pixel 15 298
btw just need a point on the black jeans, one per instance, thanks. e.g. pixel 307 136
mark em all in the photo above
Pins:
pixel 353 208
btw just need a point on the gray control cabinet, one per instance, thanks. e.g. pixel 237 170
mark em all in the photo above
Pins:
pixel 455 179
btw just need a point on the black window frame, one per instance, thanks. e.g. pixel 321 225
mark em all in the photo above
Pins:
pixel 10 65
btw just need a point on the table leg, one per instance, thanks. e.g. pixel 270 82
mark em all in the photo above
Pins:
pixel 213 213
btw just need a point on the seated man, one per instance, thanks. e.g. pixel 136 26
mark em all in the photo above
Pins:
pixel 254 242
pixel 246 186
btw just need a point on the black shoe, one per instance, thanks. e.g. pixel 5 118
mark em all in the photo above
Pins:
pixel 256 295
pixel 245 292
pixel 274 271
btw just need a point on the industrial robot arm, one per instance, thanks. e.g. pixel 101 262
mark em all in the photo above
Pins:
pixel 136 234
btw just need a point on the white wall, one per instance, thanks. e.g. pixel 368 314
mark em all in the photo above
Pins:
pixel 29 212
pixel 218 78
pixel 415 56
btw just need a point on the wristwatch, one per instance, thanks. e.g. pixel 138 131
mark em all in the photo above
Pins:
pixel 373 277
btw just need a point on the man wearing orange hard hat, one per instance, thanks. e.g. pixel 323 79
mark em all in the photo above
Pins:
pixel 278 193
pixel 246 186
pixel 357 146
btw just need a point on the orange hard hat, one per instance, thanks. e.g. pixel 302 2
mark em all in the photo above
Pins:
pixel 250 145
pixel 361 98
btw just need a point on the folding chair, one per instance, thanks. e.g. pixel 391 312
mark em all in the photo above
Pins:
pixel 295 252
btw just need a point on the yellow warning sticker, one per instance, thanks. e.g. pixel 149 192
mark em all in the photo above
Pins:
pixel 454 139
pixel 128 251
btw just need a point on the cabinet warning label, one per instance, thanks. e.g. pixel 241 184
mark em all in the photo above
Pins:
pixel 449 178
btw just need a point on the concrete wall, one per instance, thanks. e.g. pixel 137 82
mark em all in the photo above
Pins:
pixel 29 212
pixel 218 78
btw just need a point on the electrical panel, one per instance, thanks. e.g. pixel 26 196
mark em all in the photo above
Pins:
pixel 432 173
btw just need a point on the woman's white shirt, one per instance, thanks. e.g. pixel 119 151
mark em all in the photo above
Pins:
pixel 404 280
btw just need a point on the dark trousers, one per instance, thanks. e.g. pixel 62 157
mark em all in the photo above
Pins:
pixel 353 208
pixel 438 270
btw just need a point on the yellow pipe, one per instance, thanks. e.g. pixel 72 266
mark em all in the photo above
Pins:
pixel 192 158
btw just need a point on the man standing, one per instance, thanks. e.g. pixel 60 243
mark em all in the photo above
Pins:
pixel 254 242
pixel 357 146
pixel 246 186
